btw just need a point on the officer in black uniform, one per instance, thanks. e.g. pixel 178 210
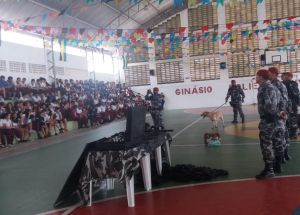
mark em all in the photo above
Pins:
pixel 237 96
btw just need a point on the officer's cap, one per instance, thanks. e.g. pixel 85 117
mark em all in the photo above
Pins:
pixel 263 73
pixel 274 70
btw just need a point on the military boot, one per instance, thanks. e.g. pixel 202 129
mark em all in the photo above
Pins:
pixel 277 165
pixel 234 120
pixel 268 172
pixel 287 157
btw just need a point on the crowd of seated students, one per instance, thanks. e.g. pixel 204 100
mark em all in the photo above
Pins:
pixel 37 106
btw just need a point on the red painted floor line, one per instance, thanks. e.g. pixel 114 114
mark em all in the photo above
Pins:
pixel 278 196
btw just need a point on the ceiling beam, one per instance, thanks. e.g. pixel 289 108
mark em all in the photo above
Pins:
pixel 69 16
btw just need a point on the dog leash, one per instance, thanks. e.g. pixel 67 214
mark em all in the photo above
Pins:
pixel 219 107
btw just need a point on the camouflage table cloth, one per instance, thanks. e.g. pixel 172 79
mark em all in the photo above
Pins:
pixel 102 165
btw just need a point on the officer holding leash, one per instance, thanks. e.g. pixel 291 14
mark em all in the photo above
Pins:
pixel 237 96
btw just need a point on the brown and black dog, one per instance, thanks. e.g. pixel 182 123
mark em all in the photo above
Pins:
pixel 215 117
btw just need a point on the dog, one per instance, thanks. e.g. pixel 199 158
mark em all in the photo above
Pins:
pixel 215 117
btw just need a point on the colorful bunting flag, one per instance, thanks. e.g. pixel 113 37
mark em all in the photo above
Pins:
pixel 63 52
pixel 220 3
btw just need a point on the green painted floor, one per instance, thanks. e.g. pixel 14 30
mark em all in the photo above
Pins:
pixel 30 182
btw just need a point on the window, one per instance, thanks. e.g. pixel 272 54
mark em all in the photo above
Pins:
pixel 17 67
pixel 243 39
pixel 243 64
pixel 100 62
pixel 3 66
pixel 37 68
pixel 166 49
pixel 282 37
pixel 171 25
pixel 204 68
pixel 241 12
pixel 169 72
pixel 282 9
pixel 203 15
pixel 137 75
pixel 202 45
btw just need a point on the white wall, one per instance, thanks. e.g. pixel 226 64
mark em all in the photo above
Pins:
pixel 26 54
pixel 202 94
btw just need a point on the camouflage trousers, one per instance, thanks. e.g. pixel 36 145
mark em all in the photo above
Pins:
pixel 237 109
pixel 272 139
pixel 292 124
pixel 157 118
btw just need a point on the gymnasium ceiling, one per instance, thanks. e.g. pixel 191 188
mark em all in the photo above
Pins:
pixel 108 14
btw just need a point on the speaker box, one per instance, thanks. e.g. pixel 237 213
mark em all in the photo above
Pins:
pixel 263 57
pixel 135 124
pixel 222 65
pixel 151 72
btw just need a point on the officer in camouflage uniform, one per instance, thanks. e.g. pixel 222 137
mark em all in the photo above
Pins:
pixel 156 107
pixel 293 93
pixel 237 96
pixel 281 137
pixel 268 100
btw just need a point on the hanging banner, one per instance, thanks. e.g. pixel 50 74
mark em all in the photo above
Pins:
pixel 63 52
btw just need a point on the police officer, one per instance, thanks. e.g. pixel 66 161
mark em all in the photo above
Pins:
pixel 268 101
pixel 293 93
pixel 281 138
pixel 237 96
pixel 156 107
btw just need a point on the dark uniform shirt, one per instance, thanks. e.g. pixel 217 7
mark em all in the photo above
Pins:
pixel 236 94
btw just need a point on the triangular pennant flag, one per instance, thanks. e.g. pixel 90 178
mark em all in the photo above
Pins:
pixel 204 28
pixel 192 3
pixel 229 26
pixel 220 3
pixel 206 2
pixel 259 1
pixel 181 30
pixel 63 52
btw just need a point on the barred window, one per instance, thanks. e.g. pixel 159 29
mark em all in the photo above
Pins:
pixel 137 75
pixel 282 37
pixel 59 70
pixel 17 67
pixel 166 49
pixel 204 68
pixel 203 45
pixel 243 64
pixel 203 15
pixel 170 25
pixel 37 68
pixel 169 72
pixel 3 66
pixel 282 8
pixel 241 12
pixel 138 52
pixel 243 39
